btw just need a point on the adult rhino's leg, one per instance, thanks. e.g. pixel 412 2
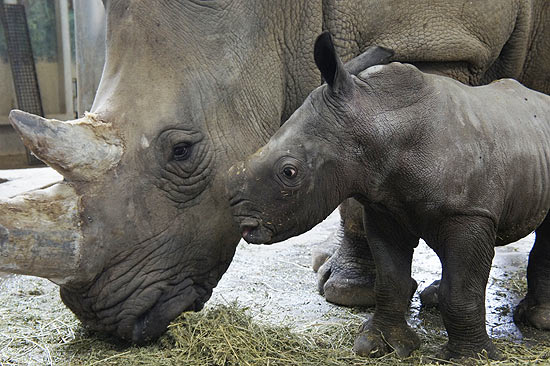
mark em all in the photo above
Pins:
pixel 534 309
pixel 347 276
pixel 429 297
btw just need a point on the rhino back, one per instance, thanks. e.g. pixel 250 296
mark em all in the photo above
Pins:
pixel 474 42
pixel 490 154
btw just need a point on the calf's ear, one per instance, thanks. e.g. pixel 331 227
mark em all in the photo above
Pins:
pixel 328 62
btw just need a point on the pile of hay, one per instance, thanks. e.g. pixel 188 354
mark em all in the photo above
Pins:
pixel 41 331
pixel 227 335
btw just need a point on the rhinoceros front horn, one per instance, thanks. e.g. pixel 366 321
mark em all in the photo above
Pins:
pixel 81 150
pixel 41 231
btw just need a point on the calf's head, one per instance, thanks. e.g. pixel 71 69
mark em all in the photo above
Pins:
pixel 306 169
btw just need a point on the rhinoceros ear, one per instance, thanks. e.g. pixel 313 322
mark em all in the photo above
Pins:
pixel 374 55
pixel 328 62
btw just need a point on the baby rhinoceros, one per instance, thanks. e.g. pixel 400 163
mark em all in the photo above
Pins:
pixel 464 168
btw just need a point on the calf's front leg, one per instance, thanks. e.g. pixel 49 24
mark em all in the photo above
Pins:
pixel 465 246
pixel 392 249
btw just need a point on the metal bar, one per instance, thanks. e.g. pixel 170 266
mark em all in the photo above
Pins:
pixel 90 26
pixel 64 40
pixel 21 58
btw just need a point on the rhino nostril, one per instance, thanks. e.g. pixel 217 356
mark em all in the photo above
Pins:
pixel 247 226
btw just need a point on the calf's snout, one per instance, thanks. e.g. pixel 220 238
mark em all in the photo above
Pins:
pixel 244 192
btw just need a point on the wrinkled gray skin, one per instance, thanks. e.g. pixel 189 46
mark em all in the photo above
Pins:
pixel 208 82
pixel 427 157
pixel 474 42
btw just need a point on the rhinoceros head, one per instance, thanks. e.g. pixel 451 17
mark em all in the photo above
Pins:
pixel 140 228
pixel 116 233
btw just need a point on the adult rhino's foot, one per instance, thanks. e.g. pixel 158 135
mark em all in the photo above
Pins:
pixel 459 352
pixel 376 341
pixel 319 257
pixel 347 279
pixel 429 296
pixel 532 314
pixel 322 254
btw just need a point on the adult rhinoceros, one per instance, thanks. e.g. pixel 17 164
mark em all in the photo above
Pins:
pixel 140 229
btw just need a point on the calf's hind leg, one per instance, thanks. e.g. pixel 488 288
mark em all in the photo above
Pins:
pixel 534 309
pixel 465 246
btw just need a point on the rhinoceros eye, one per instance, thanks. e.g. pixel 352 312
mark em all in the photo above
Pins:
pixel 181 152
pixel 289 172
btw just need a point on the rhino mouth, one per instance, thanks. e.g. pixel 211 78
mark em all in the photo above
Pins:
pixel 146 314
pixel 154 321
pixel 253 229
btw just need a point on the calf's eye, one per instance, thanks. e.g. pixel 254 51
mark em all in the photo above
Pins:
pixel 289 172
pixel 181 152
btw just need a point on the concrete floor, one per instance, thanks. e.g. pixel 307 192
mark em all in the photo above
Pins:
pixel 276 282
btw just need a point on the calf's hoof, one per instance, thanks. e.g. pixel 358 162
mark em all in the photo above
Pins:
pixel 535 315
pixel 377 341
pixel 429 296
pixel 459 352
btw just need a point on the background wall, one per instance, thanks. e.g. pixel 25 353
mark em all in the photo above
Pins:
pixel 44 34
